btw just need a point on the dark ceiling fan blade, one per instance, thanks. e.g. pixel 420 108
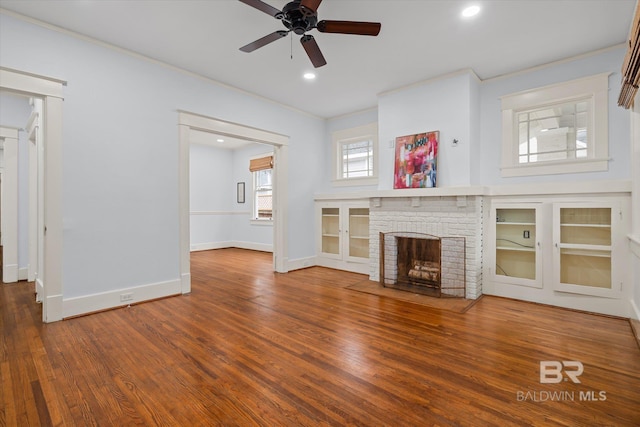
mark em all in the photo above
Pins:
pixel 260 5
pixel 313 51
pixel 264 41
pixel 309 7
pixel 350 27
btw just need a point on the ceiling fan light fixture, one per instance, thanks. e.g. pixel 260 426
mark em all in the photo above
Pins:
pixel 470 11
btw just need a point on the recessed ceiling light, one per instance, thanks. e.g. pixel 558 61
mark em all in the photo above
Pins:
pixel 471 11
pixel 220 140
pixel 309 76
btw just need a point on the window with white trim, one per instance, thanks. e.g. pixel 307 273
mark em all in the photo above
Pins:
pixel 262 173
pixel 354 155
pixel 555 129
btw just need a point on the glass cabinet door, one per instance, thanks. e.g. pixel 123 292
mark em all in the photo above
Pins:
pixel 330 231
pixel 358 232
pixel 583 247
pixel 516 247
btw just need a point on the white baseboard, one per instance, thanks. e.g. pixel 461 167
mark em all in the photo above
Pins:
pixel 300 263
pixel 262 247
pixel 354 267
pixel 185 283
pixel 635 310
pixel 53 313
pixel 10 273
pixel 195 247
pixel 39 290
pixel 231 244
pixel 23 273
pixel 112 299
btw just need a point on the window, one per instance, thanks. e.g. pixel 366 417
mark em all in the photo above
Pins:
pixel 354 155
pixel 556 129
pixel 263 191
pixel 262 171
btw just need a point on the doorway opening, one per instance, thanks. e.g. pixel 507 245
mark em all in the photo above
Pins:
pixel 190 122
pixel 50 92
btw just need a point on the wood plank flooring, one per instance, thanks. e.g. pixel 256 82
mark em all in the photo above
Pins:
pixel 252 347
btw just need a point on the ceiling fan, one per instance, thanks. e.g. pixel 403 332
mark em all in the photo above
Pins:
pixel 301 16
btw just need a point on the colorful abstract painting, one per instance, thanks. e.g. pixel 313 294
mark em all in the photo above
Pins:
pixel 416 163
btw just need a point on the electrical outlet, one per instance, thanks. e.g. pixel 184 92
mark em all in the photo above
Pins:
pixel 526 234
pixel 126 297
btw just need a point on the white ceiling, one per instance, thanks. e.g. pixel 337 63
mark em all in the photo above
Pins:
pixel 420 39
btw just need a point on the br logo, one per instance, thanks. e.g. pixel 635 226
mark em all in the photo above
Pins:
pixel 551 371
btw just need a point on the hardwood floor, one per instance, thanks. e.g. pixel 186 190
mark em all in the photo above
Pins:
pixel 252 347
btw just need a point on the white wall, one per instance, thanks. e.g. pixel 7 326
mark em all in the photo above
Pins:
pixel 120 155
pixel 491 120
pixel 14 112
pixel 211 187
pixel 443 105
pixel 217 219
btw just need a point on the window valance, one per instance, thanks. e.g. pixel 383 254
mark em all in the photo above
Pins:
pixel 261 164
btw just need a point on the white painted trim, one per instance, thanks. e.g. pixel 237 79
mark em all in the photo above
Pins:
pixel 262 247
pixel 608 306
pixel 580 187
pixel 39 290
pixel 51 91
pixel 634 244
pixel 261 222
pixel 300 263
pixel 10 205
pixel 10 273
pixel 556 63
pixel 219 213
pixel 634 311
pixel 23 273
pixel 594 89
pixel 51 306
pixel 252 246
pixel 111 299
pixel 21 81
pixel 556 168
pixel 338 264
pixel 355 134
pixel 188 121
pixel 221 127
pixel 197 247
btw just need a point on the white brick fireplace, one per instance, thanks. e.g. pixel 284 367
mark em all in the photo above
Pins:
pixel 442 216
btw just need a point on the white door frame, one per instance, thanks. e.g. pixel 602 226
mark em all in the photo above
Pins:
pixel 51 92
pixel 9 137
pixel 188 121
pixel 36 200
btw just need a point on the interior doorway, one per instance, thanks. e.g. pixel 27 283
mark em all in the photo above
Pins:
pixel 190 121
pixel 50 91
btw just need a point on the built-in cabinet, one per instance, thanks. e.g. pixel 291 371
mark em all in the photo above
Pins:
pixel 517 248
pixel 584 249
pixel 343 242
pixel 570 247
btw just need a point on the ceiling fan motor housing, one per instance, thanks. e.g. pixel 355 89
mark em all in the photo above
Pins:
pixel 295 20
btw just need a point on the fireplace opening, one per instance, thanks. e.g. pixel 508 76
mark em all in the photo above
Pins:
pixel 423 264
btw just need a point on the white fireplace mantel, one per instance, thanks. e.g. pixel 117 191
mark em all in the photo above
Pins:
pixel 579 187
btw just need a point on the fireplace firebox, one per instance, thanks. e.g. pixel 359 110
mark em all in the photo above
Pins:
pixel 423 264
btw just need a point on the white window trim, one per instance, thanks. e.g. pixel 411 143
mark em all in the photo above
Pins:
pixel 357 133
pixel 596 88
pixel 252 219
